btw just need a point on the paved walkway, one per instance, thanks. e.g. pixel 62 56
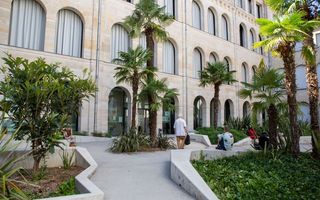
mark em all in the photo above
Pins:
pixel 144 176
pixel 135 176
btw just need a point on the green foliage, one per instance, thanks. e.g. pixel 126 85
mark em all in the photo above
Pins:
pixel 216 74
pixel 66 188
pixel 164 143
pixel 41 173
pixel 130 142
pixel 239 123
pixel 9 188
pixel 262 176
pixel 159 92
pixel 101 134
pixel 41 98
pixel 212 133
pixel 67 159
pixel 148 17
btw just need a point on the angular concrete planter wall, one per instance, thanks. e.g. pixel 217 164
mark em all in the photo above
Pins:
pixel 82 158
pixel 184 174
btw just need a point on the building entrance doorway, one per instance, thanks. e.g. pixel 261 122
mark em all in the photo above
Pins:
pixel 168 118
pixel 143 117
pixel 118 112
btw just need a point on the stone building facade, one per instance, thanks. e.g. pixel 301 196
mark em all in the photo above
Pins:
pixel 86 33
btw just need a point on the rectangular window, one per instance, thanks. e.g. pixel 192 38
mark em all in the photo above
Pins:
pixel 259 11
pixel 250 6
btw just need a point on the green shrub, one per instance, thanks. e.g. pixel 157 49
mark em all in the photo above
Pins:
pixel 8 183
pixel 65 188
pixel 67 159
pixel 262 176
pixel 213 134
pixel 130 142
pixel 164 143
pixel 239 123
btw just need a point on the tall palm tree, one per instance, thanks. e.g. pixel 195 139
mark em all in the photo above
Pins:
pixel 311 10
pixel 149 18
pixel 281 36
pixel 160 95
pixel 265 89
pixel 216 74
pixel 133 72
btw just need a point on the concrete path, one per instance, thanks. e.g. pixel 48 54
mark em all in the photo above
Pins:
pixel 136 176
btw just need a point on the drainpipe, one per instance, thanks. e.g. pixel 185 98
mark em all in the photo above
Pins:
pixel 186 58
pixel 95 124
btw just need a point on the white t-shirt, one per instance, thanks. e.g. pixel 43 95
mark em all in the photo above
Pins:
pixel 179 126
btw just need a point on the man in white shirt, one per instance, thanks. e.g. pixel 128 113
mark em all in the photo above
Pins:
pixel 181 130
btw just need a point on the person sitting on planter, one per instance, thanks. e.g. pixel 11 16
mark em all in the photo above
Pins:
pixel 225 140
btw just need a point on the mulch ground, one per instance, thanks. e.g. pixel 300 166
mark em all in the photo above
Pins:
pixel 49 182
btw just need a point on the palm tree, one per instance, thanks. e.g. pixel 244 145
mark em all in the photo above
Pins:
pixel 216 74
pixel 281 36
pixel 160 95
pixel 311 10
pixel 265 89
pixel 149 18
pixel 133 72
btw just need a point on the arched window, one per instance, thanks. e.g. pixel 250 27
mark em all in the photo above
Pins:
pixel 118 111
pixel 227 62
pixel 212 22
pixel 199 108
pixel 225 28
pixel 169 58
pixel 213 58
pixel 170 7
pixel 197 62
pixel 252 39
pixel 196 15
pixel 69 33
pixel 120 40
pixel 27 25
pixel 228 110
pixel 246 109
pixel 245 74
pixel 243 35
pixel 254 71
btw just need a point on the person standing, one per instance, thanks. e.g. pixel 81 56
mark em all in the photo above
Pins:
pixel 180 128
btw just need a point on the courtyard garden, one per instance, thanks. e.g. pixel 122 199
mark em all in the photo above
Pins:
pixel 262 176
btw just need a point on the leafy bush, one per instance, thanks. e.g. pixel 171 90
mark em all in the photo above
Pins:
pixel 164 143
pixel 262 176
pixel 66 188
pixel 101 134
pixel 130 142
pixel 67 159
pixel 239 123
pixel 8 183
pixel 212 133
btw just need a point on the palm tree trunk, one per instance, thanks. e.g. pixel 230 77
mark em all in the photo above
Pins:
pixel 150 46
pixel 313 93
pixel 135 89
pixel 216 105
pixel 287 55
pixel 152 114
pixel 273 123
